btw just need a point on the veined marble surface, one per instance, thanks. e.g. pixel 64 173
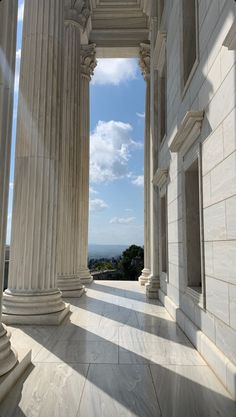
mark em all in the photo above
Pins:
pixel 117 355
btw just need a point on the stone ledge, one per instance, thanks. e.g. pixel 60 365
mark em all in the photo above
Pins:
pixel 223 368
pixel 8 380
pixel 40 319
pixel 188 131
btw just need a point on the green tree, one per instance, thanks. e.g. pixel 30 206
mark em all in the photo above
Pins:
pixel 131 262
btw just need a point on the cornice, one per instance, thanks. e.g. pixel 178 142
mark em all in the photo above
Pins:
pixel 230 40
pixel 188 131
pixel 88 59
pixel 160 177
pixel 145 59
pixel 160 50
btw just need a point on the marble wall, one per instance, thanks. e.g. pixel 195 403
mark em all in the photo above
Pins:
pixel 211 89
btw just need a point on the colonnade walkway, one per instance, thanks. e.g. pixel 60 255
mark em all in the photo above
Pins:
pixel 116 355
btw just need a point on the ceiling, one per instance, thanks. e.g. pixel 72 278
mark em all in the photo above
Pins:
pixel 119 26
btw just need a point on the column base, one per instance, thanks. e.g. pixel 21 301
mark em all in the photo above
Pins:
pixel 52 319
pixel 8 357
pixel 70 286
pixel 42 307
pixel 152 287
pixel 85 276
pixel 8 380
pixel 143 279
pixel 73 293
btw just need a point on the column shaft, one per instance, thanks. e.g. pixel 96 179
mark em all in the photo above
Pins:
pixel 32 295
pixel 8 25
pixel 153 284
pixel 69 225
pixel 145 66
pixel 87 66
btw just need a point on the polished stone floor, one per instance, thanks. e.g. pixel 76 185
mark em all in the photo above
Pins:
pixel 116 355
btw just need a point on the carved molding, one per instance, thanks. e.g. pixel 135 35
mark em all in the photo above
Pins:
pixel 88 59
pixel 77 11
pixel 145 59
pixel 160 51
pixel 230 40
pixel 160 177
pixel 188 131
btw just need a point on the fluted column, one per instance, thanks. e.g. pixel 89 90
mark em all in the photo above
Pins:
pixel 153 285
pixel 32 295
pixel 69 223
pixel 88 63
pixel 8 24
pixel 145 67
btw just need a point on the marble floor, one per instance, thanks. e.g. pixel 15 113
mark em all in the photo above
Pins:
pixel 117 354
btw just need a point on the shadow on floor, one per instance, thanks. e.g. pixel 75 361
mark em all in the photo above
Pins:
pixel 109 371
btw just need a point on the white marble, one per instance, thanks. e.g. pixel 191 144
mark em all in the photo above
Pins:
pixel 192 391
pixel 119 390
pixel 71 201
pixel 217 293
pixel 74 351
pixel 8 27
pixel 93 370
pixel 231 218
pixel 47 390
pixel 145 68
pixel 32 289
pixel 87 65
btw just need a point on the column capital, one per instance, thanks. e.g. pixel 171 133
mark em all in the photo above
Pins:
pixel 77 12
pixel 145 59
pixel 88 59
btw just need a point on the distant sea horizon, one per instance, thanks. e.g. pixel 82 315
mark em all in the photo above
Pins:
pixel 96 251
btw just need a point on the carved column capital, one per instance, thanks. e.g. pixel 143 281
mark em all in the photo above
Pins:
pixel 88 59
pixel 77 12
pixel 145 59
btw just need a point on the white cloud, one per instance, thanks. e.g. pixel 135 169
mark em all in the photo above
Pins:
pixel 115 71
pixel 21 12
pixel 97 204
pixel 110 151
pixel 138 181
pixel 120 220
pixel 93 191
pixel 11 185
pixel 129 210
pixel 140 115
pixel 9 220
pixel 18 54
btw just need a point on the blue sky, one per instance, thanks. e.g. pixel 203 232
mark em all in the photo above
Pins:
pixel 116 157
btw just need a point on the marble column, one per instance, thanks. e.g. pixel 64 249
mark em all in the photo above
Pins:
pixel 70 189
pixel 145 68
pixel 88 63
pixel 32 296
pixel 153 285
pixel 8 24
